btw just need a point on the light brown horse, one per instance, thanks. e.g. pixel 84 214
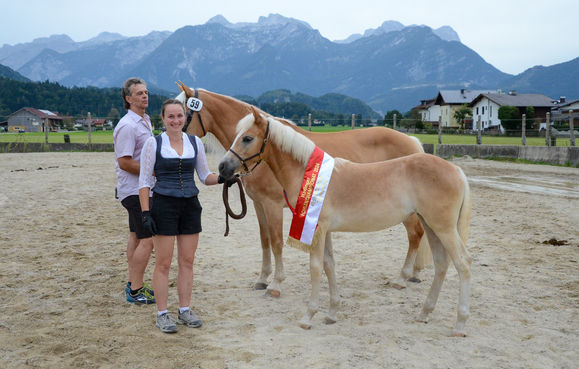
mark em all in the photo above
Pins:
pixel 219 115
pixel 365 198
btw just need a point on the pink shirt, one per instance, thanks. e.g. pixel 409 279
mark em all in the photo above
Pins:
pixel 129 137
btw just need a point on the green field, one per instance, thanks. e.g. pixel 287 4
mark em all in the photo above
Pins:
pixel 107 137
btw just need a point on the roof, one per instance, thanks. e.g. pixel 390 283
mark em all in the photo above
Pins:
pixel 517 100
pixel 40 113
pixel 424 104
pixel 462 96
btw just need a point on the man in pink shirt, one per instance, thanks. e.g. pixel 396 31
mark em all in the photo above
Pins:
pixel 129 137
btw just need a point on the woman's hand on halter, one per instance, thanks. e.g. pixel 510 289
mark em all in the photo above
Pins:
pixel 228 182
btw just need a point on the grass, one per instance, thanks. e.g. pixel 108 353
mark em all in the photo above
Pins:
pixel 107 137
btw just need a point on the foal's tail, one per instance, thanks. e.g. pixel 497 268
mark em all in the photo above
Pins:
pixel 465 210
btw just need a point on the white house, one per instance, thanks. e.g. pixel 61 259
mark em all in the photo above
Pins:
pixel 451 100
pixel 486 107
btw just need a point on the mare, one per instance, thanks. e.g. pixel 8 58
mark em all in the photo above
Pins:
pixel 364 198
pixel 219 115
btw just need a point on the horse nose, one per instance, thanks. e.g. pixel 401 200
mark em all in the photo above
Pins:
pixel 224 170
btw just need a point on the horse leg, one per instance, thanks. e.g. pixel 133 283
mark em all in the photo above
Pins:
pixel 440 267
pixel 409 272
pixel 329 269
pixel 274 214
pixel 316 265
pixel 456 248
pixel 261 283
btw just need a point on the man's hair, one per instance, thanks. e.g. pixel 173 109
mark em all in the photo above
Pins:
pixel 126 89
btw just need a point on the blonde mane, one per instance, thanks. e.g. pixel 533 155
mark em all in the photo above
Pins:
pixel 286 138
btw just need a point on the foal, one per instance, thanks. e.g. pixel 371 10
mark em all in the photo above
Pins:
pixel 364 198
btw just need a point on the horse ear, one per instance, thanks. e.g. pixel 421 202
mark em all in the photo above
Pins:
pixel 256 115
pixel 179 85
pixel 187 90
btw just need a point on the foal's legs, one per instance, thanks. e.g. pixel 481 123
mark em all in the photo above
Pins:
pixel 274 215
pixel 409 269
pixel 261 283
pixel 329 269
pixel 440 267
pixel 456 248
pixel 444 245
pixel 316 265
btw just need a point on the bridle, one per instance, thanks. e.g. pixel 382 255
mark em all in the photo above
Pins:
pixel 261 150
pixel 194 105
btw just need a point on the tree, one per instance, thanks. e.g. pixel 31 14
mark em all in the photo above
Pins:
pixel 389 117
pixel 461 114
pixel 510 117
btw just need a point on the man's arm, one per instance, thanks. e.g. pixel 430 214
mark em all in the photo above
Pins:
pixel 127 164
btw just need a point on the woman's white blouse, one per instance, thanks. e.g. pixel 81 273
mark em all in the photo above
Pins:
pixel 149 157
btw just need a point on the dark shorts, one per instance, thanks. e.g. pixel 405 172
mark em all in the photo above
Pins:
pixel 133 206
pixel 176 215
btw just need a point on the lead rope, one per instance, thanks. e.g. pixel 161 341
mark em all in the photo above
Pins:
pixel 228 211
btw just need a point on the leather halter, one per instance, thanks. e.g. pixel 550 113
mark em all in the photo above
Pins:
pixel 190 116
pixel 261 150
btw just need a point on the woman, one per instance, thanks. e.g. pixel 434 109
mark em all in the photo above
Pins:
pixel 176 212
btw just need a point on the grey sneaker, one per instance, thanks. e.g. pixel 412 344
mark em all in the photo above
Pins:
pixel 166 323
pixel 190 319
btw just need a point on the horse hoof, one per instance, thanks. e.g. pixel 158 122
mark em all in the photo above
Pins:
pixel 272 293
pixel 398 286
pixel 329 320
pixel 414 280
pixel 259 286
pixel 305 326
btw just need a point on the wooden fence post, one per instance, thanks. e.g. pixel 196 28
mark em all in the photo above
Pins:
pixel 45 123
pixel 524 130
pixel 548 130
pixel 309 121
pixel 394 122
pixel 478 132
pixel 353 121
pixel 571 128
pixel 89 123
pixel 440 129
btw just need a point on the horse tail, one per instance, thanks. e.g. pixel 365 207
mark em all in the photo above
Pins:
pixel 463 224
pixel 424 255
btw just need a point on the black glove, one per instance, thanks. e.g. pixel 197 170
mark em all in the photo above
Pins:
pixel 149 223
pixel 228 182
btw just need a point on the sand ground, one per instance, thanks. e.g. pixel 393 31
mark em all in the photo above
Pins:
pixel 63 271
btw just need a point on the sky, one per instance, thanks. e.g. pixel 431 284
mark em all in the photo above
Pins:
pixel 512 35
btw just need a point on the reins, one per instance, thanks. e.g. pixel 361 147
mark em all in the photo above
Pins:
pixel 228 211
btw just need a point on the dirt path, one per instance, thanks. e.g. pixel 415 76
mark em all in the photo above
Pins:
pixel 63 269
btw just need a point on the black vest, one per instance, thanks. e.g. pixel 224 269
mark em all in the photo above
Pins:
pixel 175 175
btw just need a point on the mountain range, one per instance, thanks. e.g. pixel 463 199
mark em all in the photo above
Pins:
pixel 390 67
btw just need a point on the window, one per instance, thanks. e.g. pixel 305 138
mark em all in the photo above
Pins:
pixel 483 110
pixel 491 111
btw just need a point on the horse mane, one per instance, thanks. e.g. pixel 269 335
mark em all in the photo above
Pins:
pixel 286 138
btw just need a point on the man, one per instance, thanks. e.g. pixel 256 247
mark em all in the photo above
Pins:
pixel 129 137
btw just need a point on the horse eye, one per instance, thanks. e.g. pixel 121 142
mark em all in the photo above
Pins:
pixel 247 139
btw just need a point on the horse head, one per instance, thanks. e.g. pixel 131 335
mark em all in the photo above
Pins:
pixel 248 146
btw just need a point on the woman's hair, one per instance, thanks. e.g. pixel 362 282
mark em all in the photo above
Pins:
pixel 170 102
pixel 126 89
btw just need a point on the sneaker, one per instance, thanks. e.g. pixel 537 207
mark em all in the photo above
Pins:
pixel 149 289
pixel 189 318
pixel 146 287
pixel 166 323
pixel 142 297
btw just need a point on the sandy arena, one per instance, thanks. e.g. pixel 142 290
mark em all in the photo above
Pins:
pixel 63 272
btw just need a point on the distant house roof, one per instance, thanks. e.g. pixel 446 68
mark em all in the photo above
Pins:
pixel 517 100
pixel 424 104
pixel 40 113
pixel 458 97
